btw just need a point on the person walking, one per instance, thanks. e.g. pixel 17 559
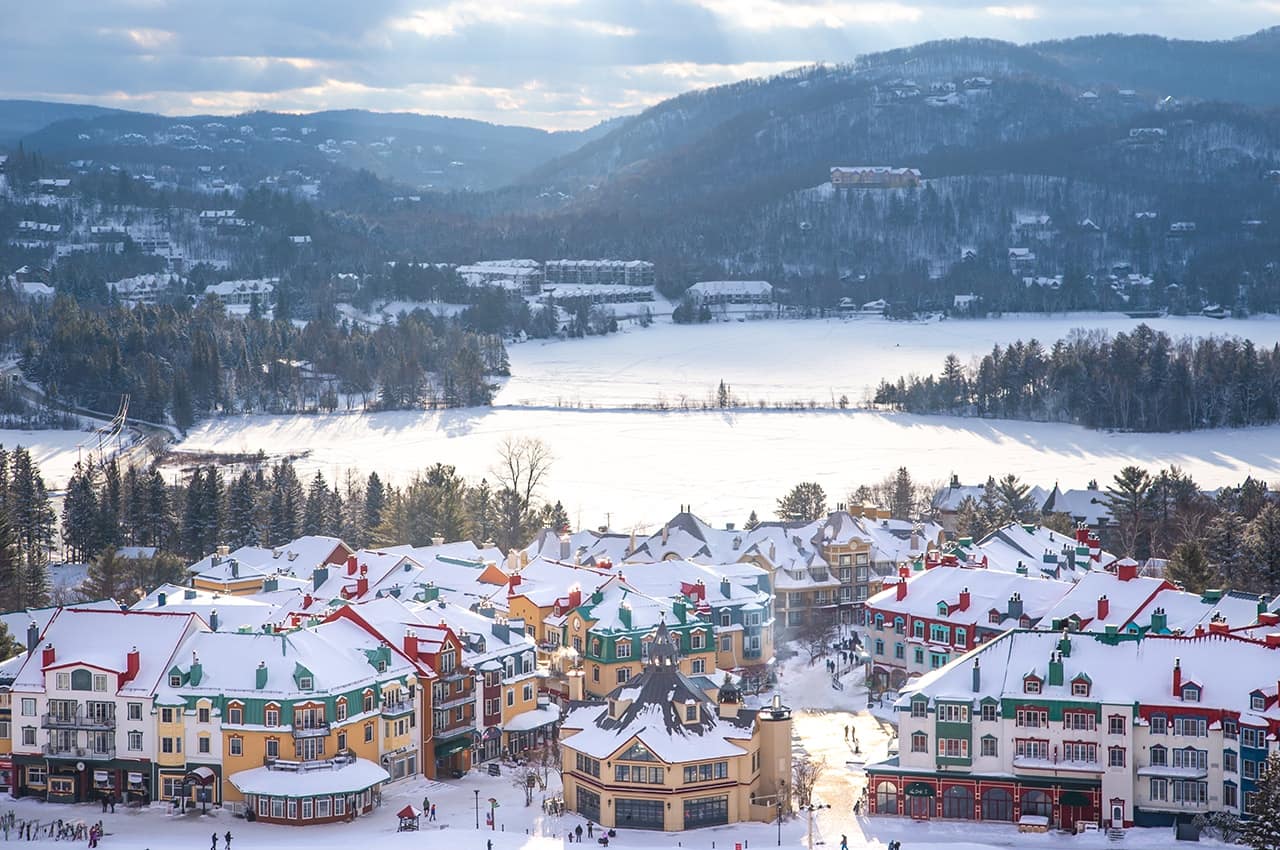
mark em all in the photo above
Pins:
pixel 577 831
pixel 433 812
pixel 113 804
pixel 214 845
pixel 844 842
pixel 490 843
pixel 104 802
pixel 227 839
pixel 426 803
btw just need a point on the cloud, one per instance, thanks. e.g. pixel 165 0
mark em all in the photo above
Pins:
pixel 776 14
pixel 1018 13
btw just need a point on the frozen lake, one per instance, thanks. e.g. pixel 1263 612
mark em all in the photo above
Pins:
pixel 633 467
pixel 793 360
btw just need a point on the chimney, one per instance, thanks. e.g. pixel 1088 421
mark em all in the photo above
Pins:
pixel 665 532
pixel 977 676
pixel 411 643
pixel 362 586
pixel 1127 570
pixel 437 540
pixel 576 685
pixel 964 599
pixel 189 593
pixel 901 588
pixel 1219 627
pixel 261 675
pixel 213 619
pixel 235 568
pixel 513 582
pixel 48 656
pixel 1064 645
pixel 726 589
pixel 1015 606
pixel 307 599
pixel 318 577
pixel 1177 677
pixel 1273 639
pixel 196 673
pixel 33 637
pixel 132 661
pixel 351 565
pixel 1055 669
pixel 513 561
pixel 161 598
pixel 1104 607
pixel 1159 620
pixel 223 551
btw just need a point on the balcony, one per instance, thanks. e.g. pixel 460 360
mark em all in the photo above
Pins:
pixel 57 751
pixel 311 729
pixel 453 702
pixel 333 763
pixel 395 709
pixel 77 720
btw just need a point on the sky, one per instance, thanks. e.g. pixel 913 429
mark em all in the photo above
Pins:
pixel 558 64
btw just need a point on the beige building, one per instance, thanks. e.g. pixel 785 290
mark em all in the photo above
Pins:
pixel 658 753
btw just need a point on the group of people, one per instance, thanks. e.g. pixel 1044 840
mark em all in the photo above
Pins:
pixel 226 838
pixel 428 808
pixel 575 834
pixel 56 830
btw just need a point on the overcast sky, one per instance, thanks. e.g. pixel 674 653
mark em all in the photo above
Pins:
pixel 547 63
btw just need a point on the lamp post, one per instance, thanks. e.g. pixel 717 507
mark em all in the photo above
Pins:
pixel 782 795
pixel 477 790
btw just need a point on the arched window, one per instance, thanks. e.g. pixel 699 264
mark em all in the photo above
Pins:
pixel 886 798
pixel 997 804
pixel 81 680
pixel 1037 803
pixel 957 802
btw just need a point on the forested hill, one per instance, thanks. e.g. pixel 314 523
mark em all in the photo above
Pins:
pixel 1139 381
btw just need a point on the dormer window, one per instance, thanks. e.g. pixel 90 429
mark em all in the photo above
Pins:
pixel 1258 702
pixel 305 683
pixel 994 617
pixel 1031 685
pixel 691 712
pixel 1191 693
pixel 175 681
pixel 1079 688
pixel 623 647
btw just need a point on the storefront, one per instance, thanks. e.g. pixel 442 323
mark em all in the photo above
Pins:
pixel 453 756
pixel 65 781
pixel 344 790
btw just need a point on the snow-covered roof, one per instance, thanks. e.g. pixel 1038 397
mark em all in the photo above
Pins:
pixel 242 287
pixel 18 621
pixel 233 612
pixel 76 636
pixel 1125 597
pixel 584 547
pixel 988 590
pixel 1087 506
pixel 732 287
pixel 350 778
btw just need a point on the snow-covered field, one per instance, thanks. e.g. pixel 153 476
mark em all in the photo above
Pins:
pixel 792 360
pixel 55 451
pixel 640 465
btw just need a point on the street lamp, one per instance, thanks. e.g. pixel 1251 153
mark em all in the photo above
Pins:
pixel 477 790
pixel 782 794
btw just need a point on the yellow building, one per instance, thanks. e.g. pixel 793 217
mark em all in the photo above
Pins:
pixel 657 753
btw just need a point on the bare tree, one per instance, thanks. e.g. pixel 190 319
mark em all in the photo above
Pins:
pixel 813 635
pixel 805 773
pixel 535 769
pixel 523 464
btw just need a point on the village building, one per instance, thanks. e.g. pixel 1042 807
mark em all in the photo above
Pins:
pixel 639 273
pixel 715 292
pixel 657 753
pixel 874 177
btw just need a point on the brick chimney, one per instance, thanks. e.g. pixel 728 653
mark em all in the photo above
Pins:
pixel 411 643
pixel 362 586
pixel 1104 607
pixel 47 655
pixel 307 599
pixel 512 583
pixel 1177 677
pixel 964 599
pixel 901 588
pixel 131 663
pixel 1127 570
pixel 351 565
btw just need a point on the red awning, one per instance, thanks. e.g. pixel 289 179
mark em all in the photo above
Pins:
pixel 409 812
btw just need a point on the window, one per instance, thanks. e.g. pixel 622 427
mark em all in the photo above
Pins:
pixel 342 741
pixel 339 806
pixel 1190 693
pixel 293 810
pixel 1159 790
pixel 100 683
pixel 953 713
pixel 511 697
pixel 990 746
pixel 340 710
pixel 1257 702
pixel 1230 762
pixel 919 742
pixel 962 638
pixel 879 647
pixel 919 708
pixel 1159 756
pixel 704 772
pixel 1037 803
pixel 1192 759
pixel 586 764
pixel 899 651
pixel 135 741
pixel 1229 795
pixel 135 711
pixel 989 712
pixel 448 660
pixel 1159 725
pixel 306 808
pixel 623 647
pixel 1032 717
pixel 28 707
pixel 698 665
pixel 997 804
pixel 202 744
pixel 1115 725
pixel 1032 748
pixel 1229 728
pixel 1079 720
pixel 63 681
pixel 235 715
pixel 4 730
pixel 1190 791
pixel 886 798
pixel 957 802
pixel 527 693
pixel 368 733
pixel 29 736
pixel 940 634
pixel 271 717
pixel 690 713
pixel 1031 686
pixel 994 617
pixel 166 715
pixel 277 807
pixel 1249 768
pixel 235 745
pixel 919 655
pixel 1079 688
pixel 698 640
pixel 918 627
pixel 624 674
pixel 166 745
pixel 1115 756
pixel 726 643
pixel 595 673
pixel 322 807
pixel 175 681
pixel 1079 751
pixel 202 715
pixel 953 748
pixel 900 625
pixel 1193 727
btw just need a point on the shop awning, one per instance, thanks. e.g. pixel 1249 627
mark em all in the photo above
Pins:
pixel 1074 798
pixel 456 745
pixel 203 775
pixel 918 789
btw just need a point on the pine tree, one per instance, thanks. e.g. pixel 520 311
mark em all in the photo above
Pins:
pixel 157 524
pixel 1190 568
pixel 211 518
pixel 1129 499
pixel 1262 548
pixel 752 522
pixel 33 524
pixel 375 497
pixel 991 508
pixel 10 566
pixel 902 495
pixel 109 577
pixel 1015 499
pixel 284 513
pixel 722 394
pixel 1262 830
pixel 481 511
pixel 555 517
pixel 242 526
pixel 969 522
pixel 109 504
pixel 81 531
pixel 315 513
pixel 804 503
pixel 8 646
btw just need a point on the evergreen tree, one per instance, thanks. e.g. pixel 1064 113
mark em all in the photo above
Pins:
pixel 1015 499
pixel 1262 830
pixel 211 519
pixel 902 495
pixel 752 522
pixel 1129 499
pixel 8 646
pixel 109 577
pixel 481 510
pixel 81 531
pixel 109 505
pixel 805 502
pixel 10 566
pixel 722 394
pixel 284 512
pixel 555 517
pixel 157 523
pixel 1262 548
pixel 1190 568
pixel 375 497
pixel 33 523
pixel 315 514
pixel 969 521
pixel 192 534
pixel 991 508
pixel 242 526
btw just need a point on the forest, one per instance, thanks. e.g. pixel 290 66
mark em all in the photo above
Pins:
pixel 1138 381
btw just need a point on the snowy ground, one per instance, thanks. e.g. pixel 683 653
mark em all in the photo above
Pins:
pixel 55 451
pixel 784 360
pixel 640 465
pixel 821 715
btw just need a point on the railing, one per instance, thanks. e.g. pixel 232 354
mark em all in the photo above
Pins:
pixel 392 709
pixel 311 729
pixel 88 753
pixel 454 702
pixel 291 766
pixel 76 720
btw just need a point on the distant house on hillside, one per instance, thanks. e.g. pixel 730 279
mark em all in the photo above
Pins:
pixel 874 177
pixel 731 292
